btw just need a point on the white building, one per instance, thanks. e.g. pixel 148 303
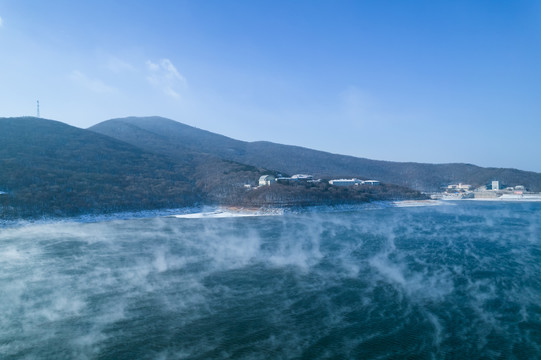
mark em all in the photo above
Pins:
pixel 300 177
pixel 495 185
pixel 266 180
pixel 345 182
pixel 371 182
pixel 459 186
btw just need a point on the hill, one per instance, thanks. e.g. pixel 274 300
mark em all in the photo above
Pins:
pixel 50 168
pixel 222 181
pixel 167 137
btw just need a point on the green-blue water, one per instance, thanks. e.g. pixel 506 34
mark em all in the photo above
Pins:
pixel 455 281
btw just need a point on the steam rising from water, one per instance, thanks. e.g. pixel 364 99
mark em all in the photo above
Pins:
pixel 447 281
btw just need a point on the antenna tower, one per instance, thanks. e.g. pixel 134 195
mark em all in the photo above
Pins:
pixel 38 108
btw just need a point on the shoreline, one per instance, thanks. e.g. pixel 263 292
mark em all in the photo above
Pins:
pixel 215 211
pixel 229 211
pixel 95 218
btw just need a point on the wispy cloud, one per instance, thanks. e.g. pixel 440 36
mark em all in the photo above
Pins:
pixel 94 85
pixel 1 22
pixel 165 76
pixel 117 65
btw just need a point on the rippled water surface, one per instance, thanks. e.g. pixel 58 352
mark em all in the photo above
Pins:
pixel 453 281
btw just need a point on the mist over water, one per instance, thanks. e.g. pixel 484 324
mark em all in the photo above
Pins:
pixel 451 281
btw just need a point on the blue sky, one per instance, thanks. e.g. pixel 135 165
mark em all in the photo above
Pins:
pixel 424 81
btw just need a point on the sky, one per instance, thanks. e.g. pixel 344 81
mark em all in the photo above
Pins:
pixel 423 81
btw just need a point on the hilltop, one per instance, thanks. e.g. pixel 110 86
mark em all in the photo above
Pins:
pixel 167 136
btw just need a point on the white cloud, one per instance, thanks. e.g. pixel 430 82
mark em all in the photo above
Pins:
pixel 94 85
pixel 164 76
pixel 1 22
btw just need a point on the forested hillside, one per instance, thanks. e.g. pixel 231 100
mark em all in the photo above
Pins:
pixel 50 168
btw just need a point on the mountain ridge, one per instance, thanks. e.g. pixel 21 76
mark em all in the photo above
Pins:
pixel 48 168
pixel 51 169
pixel 296 159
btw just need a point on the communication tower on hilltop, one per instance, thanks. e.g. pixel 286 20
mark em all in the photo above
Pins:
pixel 38 108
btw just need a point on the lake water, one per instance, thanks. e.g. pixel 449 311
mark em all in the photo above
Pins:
pixel 455 281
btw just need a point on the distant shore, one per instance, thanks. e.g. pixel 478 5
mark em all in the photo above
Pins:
pixel 537 199
pixel 218 211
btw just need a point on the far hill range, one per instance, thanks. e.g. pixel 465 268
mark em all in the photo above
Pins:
pixel 48 168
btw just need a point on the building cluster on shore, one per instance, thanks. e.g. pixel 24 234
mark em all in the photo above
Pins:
pixel 353 182
pixel 267 180
pixel 495 190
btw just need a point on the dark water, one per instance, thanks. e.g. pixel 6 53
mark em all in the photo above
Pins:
pixel 456 281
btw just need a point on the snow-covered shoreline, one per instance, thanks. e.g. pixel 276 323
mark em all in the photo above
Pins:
pixel 501 199
pixel 229 212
